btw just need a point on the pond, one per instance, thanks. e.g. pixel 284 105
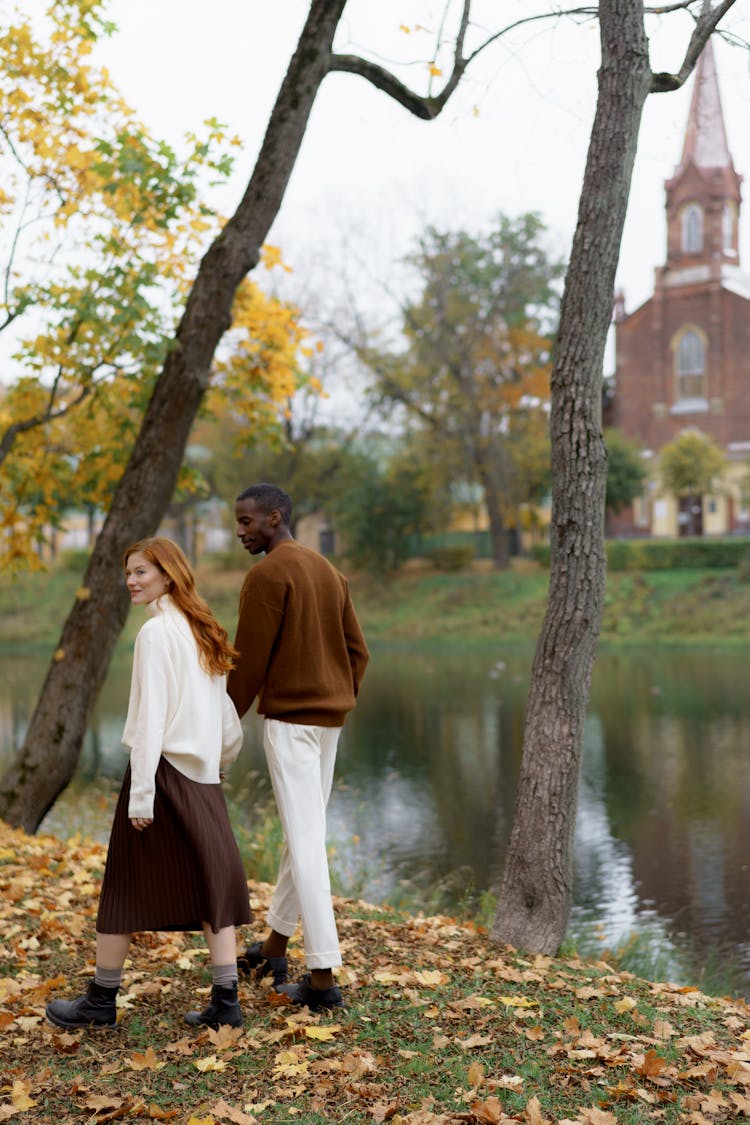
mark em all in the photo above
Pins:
pixel 427 772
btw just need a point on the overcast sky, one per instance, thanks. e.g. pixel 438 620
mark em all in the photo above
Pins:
pixel 513 138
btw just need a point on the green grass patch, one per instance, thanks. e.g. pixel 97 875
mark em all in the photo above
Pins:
pixel 661 606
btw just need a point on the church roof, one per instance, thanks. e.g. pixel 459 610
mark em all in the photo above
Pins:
pixel 705 136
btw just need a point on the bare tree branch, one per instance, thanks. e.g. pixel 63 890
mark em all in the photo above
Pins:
pixel 48 415
pixel 705 25
pixel 425 108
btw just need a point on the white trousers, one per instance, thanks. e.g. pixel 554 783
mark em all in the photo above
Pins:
pixel 300 762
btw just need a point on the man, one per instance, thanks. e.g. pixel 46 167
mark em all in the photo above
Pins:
pixel 302 653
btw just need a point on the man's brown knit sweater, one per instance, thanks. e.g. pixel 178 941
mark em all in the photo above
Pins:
pixel 301 647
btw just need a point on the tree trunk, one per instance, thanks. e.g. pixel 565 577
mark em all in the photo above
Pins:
pixel 498 530
pixel 47 760
pixel 536 888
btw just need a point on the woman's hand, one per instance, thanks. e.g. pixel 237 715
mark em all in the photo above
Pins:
pixel 141 822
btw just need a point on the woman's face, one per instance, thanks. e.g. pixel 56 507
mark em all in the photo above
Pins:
pixel 144 579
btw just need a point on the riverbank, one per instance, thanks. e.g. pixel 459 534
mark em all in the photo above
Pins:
pixel 440 1028
pixel 654 607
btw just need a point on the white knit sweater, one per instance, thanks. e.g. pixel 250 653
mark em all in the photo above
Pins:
pixel 176 709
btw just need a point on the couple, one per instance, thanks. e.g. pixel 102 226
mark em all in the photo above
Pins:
pixel 172 862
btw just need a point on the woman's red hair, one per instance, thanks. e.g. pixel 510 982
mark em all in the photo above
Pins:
pixel 215 652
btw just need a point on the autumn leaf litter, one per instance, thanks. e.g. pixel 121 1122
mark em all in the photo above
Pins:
pixel 441 1027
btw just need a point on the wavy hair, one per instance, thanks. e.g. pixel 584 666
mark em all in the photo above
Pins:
pixel 215 653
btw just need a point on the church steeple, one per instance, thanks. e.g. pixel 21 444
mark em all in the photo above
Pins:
pixel 703 195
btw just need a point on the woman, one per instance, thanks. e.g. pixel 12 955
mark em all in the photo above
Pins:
pixel 172 863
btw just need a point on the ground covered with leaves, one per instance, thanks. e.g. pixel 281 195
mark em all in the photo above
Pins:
pixel 440 1026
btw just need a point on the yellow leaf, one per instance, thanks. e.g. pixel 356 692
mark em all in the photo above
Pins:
pixel 232 1113
pixel 20 1095
pixel 431 977
pixel 625 1005
pixel 517 1002
pixel 474 1041
pixel 489 1112
pixel 435 71
pixel 476 1075
pixel 324 1032
pixel 224 1037
pixel 201 1121
pixel 533 1113
pixel 146 1061
pixel 209 1063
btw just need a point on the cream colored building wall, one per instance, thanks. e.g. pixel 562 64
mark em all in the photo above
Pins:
pixel 308 530
pixel 716 509
pixel 715 515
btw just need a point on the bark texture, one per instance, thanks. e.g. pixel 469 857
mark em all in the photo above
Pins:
pixel 47 760
pixel 536 887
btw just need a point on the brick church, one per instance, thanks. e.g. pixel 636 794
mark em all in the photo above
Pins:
pixel 683 357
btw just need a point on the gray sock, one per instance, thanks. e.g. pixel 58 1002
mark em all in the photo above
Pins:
pixel 108 978
pixel 225 975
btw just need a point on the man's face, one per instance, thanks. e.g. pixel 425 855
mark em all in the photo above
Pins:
pixel 255 528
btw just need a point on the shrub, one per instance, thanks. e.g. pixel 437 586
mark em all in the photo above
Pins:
pixel 73 561
pixel 743 567
pixel 452 558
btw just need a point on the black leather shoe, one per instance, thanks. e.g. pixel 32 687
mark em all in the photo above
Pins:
pixel 255 961
pixel 305 995
pixel 96 1008
pixel 223 1009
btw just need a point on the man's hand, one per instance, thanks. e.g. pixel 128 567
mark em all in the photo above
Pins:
pixel 141 822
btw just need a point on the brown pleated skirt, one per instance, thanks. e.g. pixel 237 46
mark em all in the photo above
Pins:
pixel 181 871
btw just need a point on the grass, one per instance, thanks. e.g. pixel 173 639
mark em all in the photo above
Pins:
pixel 441 1026
pixel 674 607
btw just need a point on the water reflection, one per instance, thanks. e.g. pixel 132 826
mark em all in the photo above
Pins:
pixel 428 770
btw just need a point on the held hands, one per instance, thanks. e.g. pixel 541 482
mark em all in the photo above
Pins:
pixel 141 822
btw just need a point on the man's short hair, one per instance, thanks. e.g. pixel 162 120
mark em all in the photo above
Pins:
pixel 269 497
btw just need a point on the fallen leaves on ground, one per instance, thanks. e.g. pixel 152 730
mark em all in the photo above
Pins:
pixel 441 1027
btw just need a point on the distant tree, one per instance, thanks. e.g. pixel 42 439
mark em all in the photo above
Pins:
pixel 298 451
pixel 381 503
pixel 626 470
pixel 691 466
pixel 478 355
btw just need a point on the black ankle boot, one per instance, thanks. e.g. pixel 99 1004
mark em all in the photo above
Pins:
pixel 96 1008
pixel 255 961
pixel 223 1009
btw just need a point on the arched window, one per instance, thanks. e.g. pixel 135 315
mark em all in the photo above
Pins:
pixel 692 229
pixel 691 366
pixel 727 226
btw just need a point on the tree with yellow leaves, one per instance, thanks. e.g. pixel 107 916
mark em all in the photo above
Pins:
pixel 104 226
